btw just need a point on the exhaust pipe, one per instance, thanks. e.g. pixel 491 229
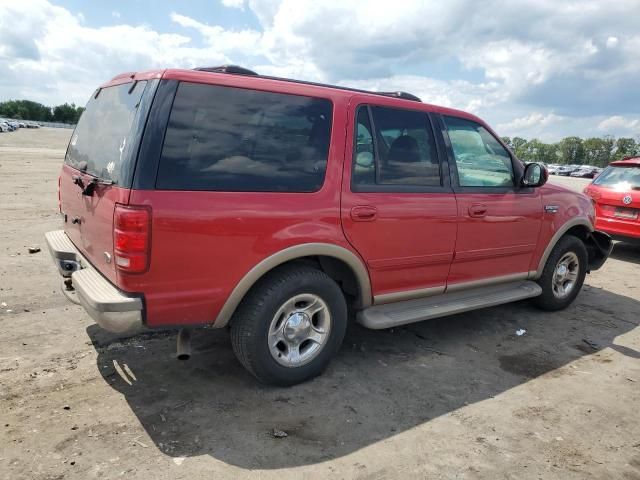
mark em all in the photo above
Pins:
pixel 183 347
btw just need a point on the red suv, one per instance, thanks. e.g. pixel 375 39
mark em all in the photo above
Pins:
pixel 272 206
pixel 616 194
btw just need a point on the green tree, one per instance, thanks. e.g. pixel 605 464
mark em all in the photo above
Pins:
pixel 65 113
pixel 537 151
pixel 625 147
pixel 25 109
pixel 598 151
pixel 519 147
pixel 571 150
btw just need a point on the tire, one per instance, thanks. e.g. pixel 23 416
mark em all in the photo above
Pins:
pixel 569 251
pixel 267 345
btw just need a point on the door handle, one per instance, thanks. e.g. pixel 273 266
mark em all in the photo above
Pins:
pixel 478 210
pixel 364 213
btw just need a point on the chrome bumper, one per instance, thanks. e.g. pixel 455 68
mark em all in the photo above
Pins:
pixel 112 309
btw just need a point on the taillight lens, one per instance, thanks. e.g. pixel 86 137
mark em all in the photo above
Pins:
pixel 131 238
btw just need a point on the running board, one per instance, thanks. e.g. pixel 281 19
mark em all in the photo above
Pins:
pixel 409 311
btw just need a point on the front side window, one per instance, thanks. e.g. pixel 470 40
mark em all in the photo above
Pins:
pixel 402 153
pixel 233 139
pixel 480 159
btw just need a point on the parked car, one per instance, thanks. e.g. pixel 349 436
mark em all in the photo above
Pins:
pixel 553 169
pixel 584 172
pixel 4 127
pixel 219 197
pixel 9 124
pixel 616 195
pixel 565 170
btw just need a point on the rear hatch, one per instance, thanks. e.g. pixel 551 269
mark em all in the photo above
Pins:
pixel 102 151
pixel 619 194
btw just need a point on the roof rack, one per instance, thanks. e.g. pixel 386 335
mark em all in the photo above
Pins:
pixel 234 69
pixel 404 95
pixel 237 70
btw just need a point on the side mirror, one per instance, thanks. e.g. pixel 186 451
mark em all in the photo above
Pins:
pixel 535 175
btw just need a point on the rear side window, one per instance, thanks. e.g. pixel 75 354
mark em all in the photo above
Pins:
pixel 397 149
pixel 102 142
pixel 234 139
pixel 480 159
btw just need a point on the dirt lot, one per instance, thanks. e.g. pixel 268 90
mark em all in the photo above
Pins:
pixel 459 397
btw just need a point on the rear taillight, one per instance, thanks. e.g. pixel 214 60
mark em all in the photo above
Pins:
pixel 131 238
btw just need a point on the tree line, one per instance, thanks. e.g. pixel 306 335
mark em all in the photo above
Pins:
pixel 574 150
pixel 34 111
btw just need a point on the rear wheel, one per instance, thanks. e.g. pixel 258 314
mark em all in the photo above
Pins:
pixel 290 325
pixel 563 274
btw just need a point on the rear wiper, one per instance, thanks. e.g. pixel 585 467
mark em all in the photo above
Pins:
pixel 89 187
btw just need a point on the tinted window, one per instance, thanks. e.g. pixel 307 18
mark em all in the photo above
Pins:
pixel 621 178
pixel 481 160
pixel 102 138
pixel 233 139
pixel 403 153
pixel 364 168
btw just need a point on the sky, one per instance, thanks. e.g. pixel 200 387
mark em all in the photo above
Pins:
pixel 534 68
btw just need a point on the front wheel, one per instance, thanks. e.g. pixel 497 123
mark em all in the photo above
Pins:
pixel 290 325
pixel 563 274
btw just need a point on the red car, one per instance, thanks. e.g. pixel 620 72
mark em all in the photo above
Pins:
pixel 272 206
pixel 616 195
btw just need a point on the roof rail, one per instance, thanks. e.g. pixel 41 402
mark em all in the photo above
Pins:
pixel 123 75
pixel 404 95
pixel 234 69
pixel 237 70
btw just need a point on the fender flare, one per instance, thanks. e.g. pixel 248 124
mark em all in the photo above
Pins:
pixel 291 253
pixel 574 222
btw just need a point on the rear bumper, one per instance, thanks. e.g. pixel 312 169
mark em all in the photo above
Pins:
pixel 619 228
pixel 112 309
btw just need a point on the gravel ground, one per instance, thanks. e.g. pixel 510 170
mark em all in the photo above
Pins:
pixel 458 397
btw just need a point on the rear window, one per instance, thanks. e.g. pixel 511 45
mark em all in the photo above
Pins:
pixel 102 142
pixel 233 139
pixel 620 178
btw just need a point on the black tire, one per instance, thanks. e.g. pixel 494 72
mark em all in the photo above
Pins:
pixel 251 322
pixel 550 300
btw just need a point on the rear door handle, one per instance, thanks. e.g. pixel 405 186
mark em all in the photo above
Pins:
pixel 478 210
pixel 364 213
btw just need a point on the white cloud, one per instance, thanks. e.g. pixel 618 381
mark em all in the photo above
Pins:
pixel 245 41
pixel 115 14
pixel 559 61
pixel 233 3
pixel 535 119
pixel 618 123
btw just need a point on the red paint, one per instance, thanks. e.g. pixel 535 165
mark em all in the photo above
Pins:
pixel 202 243
pixel 610 207
pixel 92 231
pixel 501 240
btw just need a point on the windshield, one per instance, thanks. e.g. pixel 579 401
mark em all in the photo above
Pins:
pixel 101 142
pixel 620 178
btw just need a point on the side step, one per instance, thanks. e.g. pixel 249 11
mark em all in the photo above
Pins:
pixel 401 313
